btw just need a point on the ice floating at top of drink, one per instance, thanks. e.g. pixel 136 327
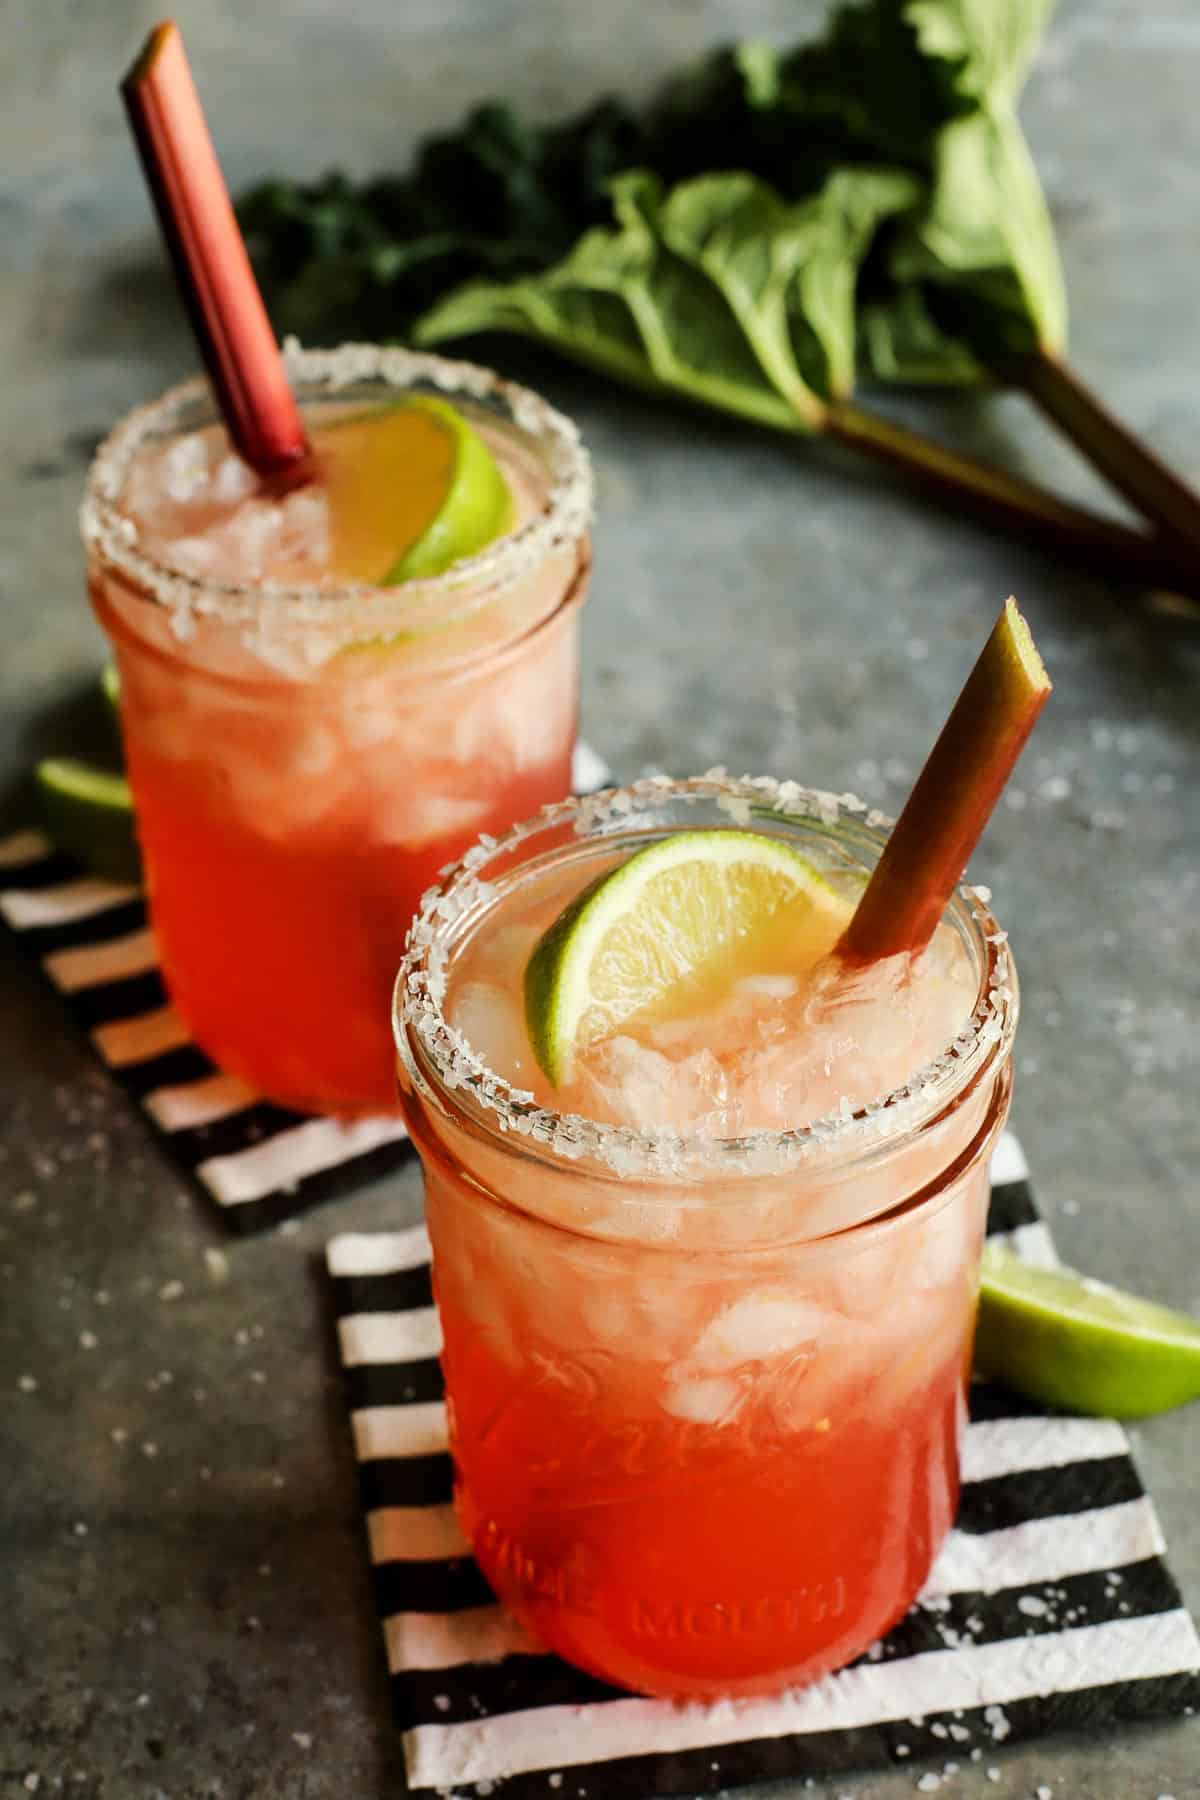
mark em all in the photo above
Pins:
pixel 722 982
pixel 773 1035
pixel 401 488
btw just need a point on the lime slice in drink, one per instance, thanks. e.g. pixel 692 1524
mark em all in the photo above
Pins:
pixel 476 508
pixel 88 812
pixel 688 911
pixel 412 489
pixel 1080 1345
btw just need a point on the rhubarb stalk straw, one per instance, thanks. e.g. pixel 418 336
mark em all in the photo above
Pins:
pixel 955 793
pixel 210 260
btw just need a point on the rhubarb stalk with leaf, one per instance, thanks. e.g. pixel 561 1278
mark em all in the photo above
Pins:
pixel 775 228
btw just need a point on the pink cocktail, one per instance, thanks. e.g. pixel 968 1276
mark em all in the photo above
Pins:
pixel 306 750
pixel 707 1307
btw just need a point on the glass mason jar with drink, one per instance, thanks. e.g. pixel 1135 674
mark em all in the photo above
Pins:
pixel 705 1082
pixel 343 594
pixel 705 1355
pixel 306 745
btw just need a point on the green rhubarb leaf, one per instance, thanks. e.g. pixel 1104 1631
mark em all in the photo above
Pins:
pixel 717 290
pixel 924 86
pixel 990 43
pixel 984 246
pixel 901 342
pixel 625 302
pixel 864 92
pixel 985 243
pixel 966 274
pixel 494 198
pixel 788 273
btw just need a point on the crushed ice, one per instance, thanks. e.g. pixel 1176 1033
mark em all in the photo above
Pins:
pixel 627 1150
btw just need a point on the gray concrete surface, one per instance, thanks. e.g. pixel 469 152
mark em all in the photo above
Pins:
pixel 184 1608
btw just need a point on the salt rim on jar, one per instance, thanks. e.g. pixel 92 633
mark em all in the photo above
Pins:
pixel 355 610
pixel 839 1140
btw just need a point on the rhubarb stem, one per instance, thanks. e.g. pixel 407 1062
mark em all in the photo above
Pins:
pixel 953 799
pixel 1013 504
pixel 211 265
pixel 1129 464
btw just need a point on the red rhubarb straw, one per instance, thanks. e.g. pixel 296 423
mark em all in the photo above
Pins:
pixel 210 260
pixel 954 796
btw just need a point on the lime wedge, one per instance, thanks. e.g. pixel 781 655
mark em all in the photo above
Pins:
pixel 88 812
pixel 1080 1345
pixel 686 910
pixel 476 507
pixel 411 487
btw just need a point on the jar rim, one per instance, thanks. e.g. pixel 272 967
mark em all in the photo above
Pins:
pixel 356 608
pixel 437 1056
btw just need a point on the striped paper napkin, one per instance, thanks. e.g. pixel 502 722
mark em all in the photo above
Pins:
pixel 1050 1607
pixel 259 1162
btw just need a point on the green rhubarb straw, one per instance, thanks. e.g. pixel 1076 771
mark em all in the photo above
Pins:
pixel 954 797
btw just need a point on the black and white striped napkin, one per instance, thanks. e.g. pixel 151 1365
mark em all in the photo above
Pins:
pixel 259 1162
pixel 1050 1607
